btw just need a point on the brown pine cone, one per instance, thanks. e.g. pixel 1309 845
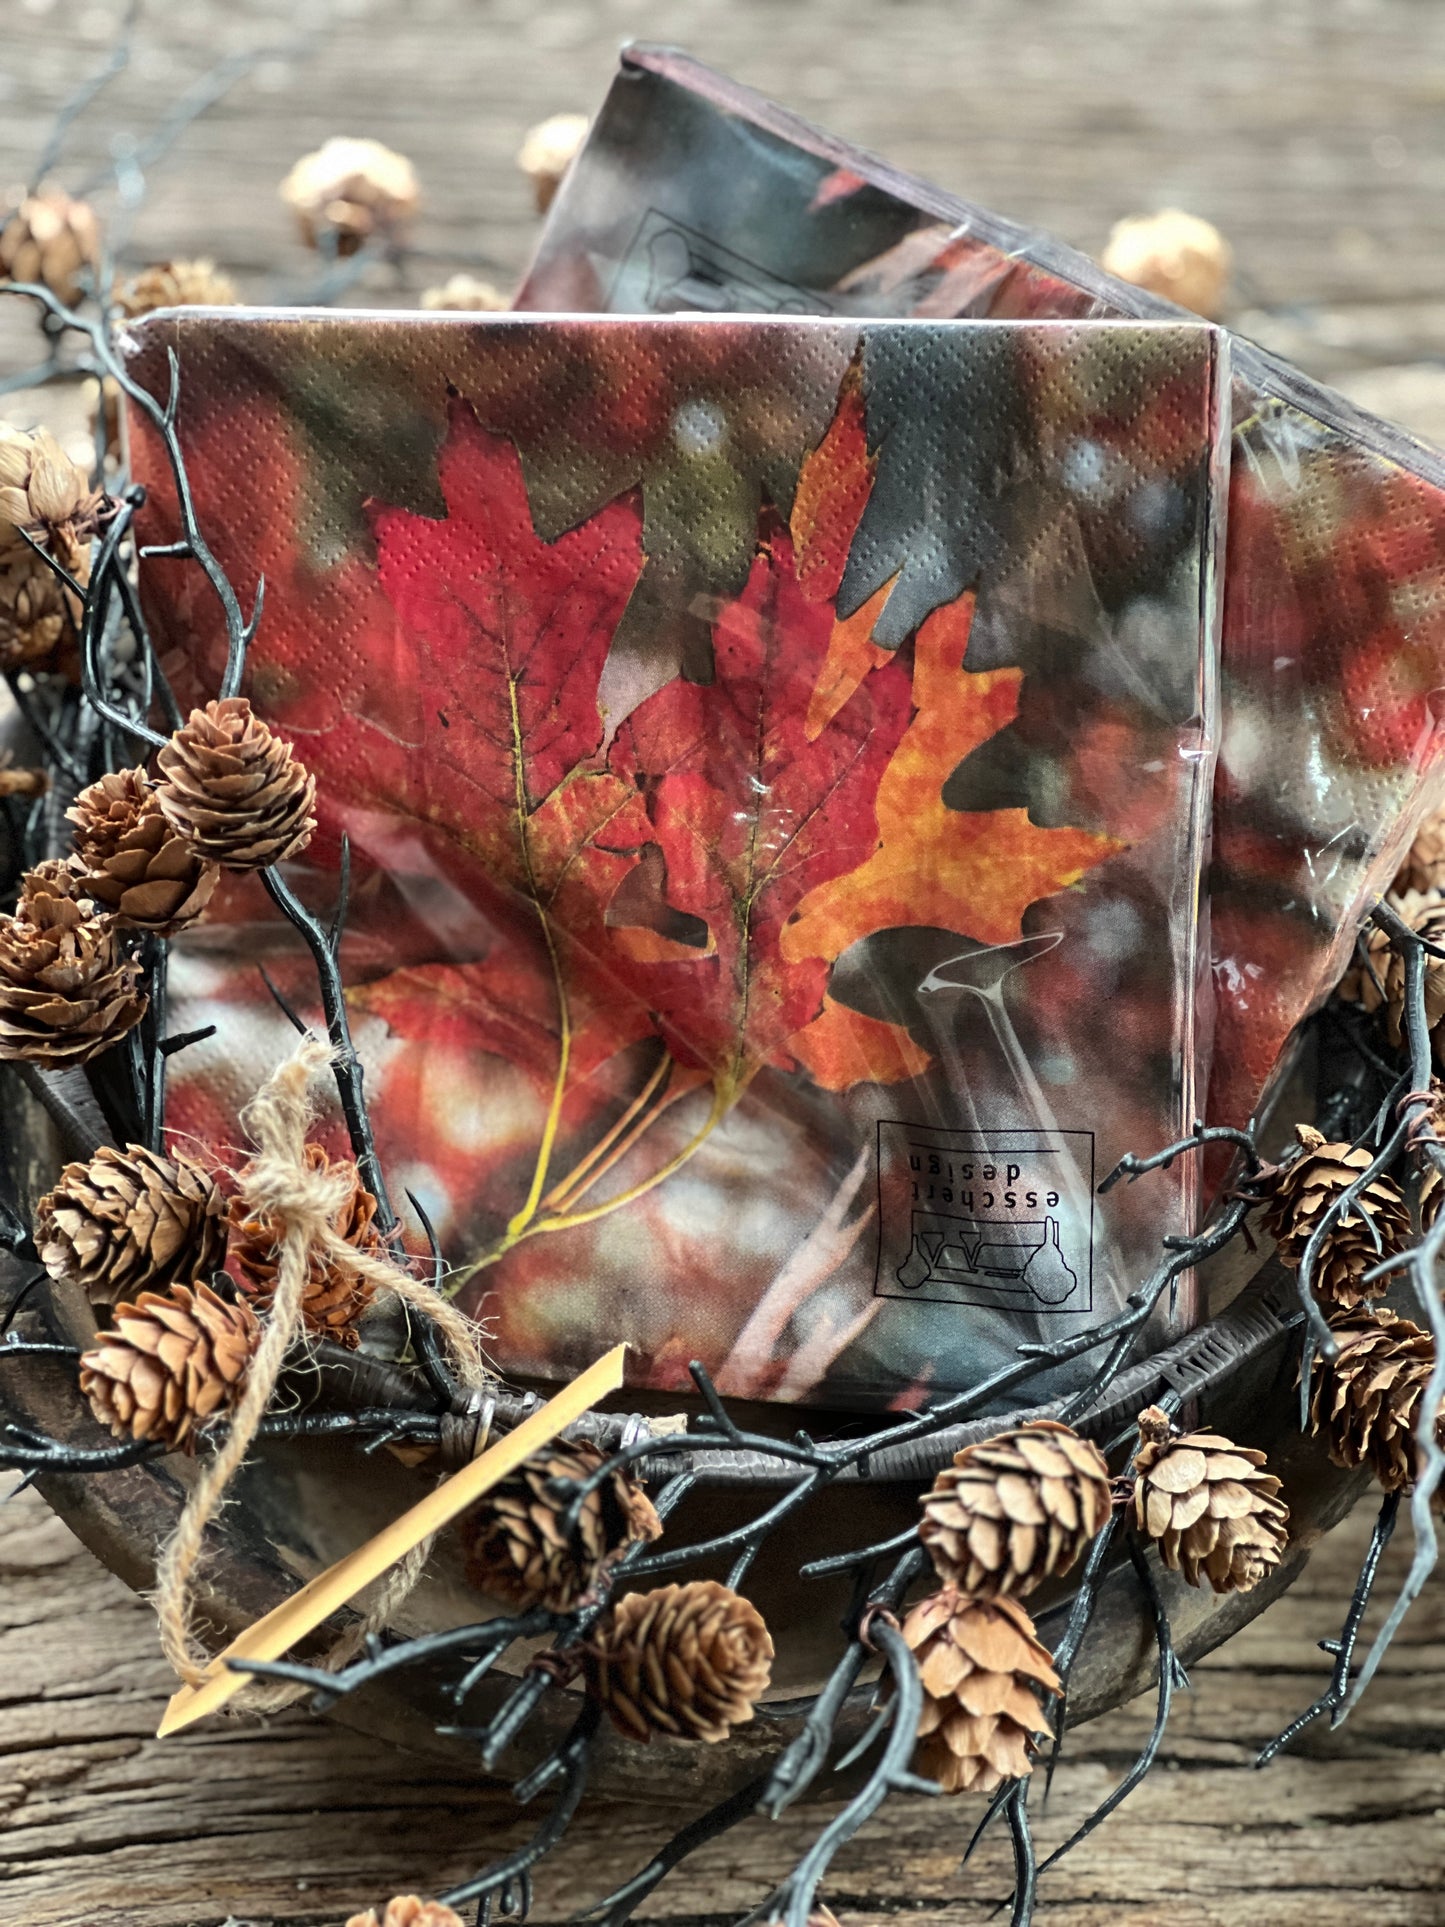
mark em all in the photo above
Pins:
pixel 1300 1193
pixel 1015 1509
pixel 133 860
pixel 464 293
pixel 1366 1399
pixel 38 614
pixel 353 191
pixel 516 1547
pixel 1383 983
pixel 175 284
pixel 234 789
pixel 1207 1505
pixel 408 1910
pixel 981 1666
pixel 67 990
pixel 169 1364
pixel 52 240
pixel 1424 868
pixel 131 1221
pixel 547 151
pixel 687 1662
pixel 333 1300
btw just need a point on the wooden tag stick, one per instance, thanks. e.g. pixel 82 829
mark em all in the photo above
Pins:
pixel 304 1611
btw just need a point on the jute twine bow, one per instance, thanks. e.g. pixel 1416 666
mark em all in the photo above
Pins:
pixel 302 1204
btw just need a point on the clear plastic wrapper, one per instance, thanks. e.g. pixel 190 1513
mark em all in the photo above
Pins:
pixel 695 193
pixel 775 758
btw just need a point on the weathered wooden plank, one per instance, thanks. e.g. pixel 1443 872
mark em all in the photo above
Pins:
pixel 99 1820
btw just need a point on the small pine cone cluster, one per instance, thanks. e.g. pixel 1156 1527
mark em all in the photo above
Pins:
pixel 48 497
pixel 517 1548
pixel 53 241
pixel 1379 981
pixel 547 151
pixel 1377 1224
pixel 982 1668
pixel 133 859
pixel 682 1662
pixel 67 989
pixel 131 1221
pixel 1207 1505
pixel 333 1298
pixel 175 284
pixel 464 293
pixel 1366 1399
pixel 408 1910
pixel 234 789
pixel 350 192
pixel 169 1363
pixel 1015 1510
pixel 1424 868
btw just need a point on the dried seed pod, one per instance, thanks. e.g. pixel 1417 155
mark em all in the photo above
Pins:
pixel 130 1221
pixel 1377 1224
pixel 333 1299
pixel 1207 1505
pixel 1366 1399
pixel 15 781
pixel 38 614
pixel 169 1364
pixel 516 1543
pixel 408 1910
pixel 464 293
pixel 686 1662
pixel 1015 1509
pixel 1379 980
pixel 1423 870
pixel 982 1667
pixel 53 240
pixel 350 192
pixel 1173 254
pixel 67 989
pixel 48 497
pixel 133 859
pixel 548 150
pixel 175 284
pixel 234 789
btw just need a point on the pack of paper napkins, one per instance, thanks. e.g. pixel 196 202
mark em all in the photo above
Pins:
pixel 823 777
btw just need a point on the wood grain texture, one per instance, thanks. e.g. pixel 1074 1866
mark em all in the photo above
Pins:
pixel 297 1821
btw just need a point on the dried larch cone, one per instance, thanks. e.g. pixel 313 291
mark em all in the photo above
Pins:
pixel 1424 867
pixel 1208 1505
pixel 517 1545
pixel 464 292
pixel 234 789
pixel 547 151
pixel 1376 1226
pixel 67 989
pixel 1366 1399
pixel 334 1298
pixel 51 240
pixel 131 1221
pixel 16 780
pixel 134 860
pixel 1378 980
pixel 1174 254
pixel 48 497
pixel 683 1662
pixel 1015 1509
pixel 169 1364
pixel 175 284
pixel 982 1667
pixel 408 1910
pixel 350 192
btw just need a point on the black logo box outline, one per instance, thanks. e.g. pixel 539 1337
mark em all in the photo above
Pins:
pixel 988 1297
pixel 752 277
